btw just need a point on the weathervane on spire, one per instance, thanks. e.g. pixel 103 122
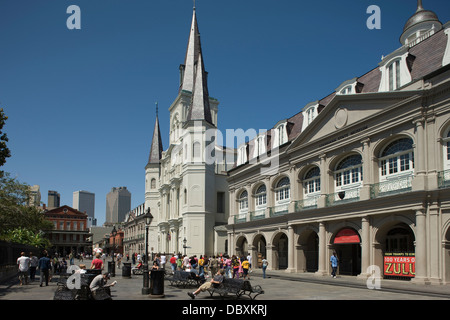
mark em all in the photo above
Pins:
pixel 194 4
pixel 156 108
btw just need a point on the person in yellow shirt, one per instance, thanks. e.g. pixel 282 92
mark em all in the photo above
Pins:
pixel 245 267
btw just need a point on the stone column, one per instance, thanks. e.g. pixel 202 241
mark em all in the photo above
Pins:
pixel 365 248
pixel 291 250
pixel 322 250
pixel 421 248
pixel 419 182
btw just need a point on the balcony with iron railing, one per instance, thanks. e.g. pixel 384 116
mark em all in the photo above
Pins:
pixel 444 179
pixel 391 187
pixel 342 197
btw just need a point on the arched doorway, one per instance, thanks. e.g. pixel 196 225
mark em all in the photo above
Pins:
pixel 259 245
pixel 396 254
pixel 241 246
pixel 281 251
pixel 308 251
pixel 347 245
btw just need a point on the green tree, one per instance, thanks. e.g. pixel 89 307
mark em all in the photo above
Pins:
pixel 4 151
pixel 17 218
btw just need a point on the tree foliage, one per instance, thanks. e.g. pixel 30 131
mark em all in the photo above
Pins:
pixel 4 151
pixel 17 219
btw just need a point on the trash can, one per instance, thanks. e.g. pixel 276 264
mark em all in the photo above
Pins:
pixel 126 270
pixel 157 283
pixel 110 267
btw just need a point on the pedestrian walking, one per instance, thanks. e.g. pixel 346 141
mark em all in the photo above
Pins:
pixel 265 263
pixel 245 268
pixel 97 263
pixel 24 265
pixel 44 266
pixel 33 266
pixel 334 264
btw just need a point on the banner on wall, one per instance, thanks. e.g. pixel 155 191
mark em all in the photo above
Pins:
pixel 400 264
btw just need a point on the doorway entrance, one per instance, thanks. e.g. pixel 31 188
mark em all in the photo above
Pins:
pixel 348 250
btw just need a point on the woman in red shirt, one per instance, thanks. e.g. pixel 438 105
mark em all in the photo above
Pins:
pixel 97 263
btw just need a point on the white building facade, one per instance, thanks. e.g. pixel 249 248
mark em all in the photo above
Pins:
pixel 363 172
pixel 185 187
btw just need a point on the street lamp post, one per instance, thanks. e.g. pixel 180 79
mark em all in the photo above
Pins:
pixel 148 220
pixel 184 245
pixel 113 267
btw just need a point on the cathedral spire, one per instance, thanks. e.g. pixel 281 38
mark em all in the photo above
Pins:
pixel 194 48
pixel 156 148
pixel 199 108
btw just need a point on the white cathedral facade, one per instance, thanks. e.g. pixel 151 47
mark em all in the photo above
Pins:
pixel 185 185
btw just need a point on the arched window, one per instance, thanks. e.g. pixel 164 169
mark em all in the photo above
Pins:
pixel 394 75
pixel 349 172
pixel 283 190
pixel 243 202
pixel 185 196
pixel 311 182
pixel 261 196
pixel 196 150
pixel 397 158
pixel 153 184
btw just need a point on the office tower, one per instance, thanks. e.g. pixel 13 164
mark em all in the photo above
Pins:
pixel 118 203
pixel 53 199
pixel 84 201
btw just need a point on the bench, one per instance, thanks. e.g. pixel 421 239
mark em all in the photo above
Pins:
pixel 236 287
pixel 83 292
pixel 185 278
pixel 228 286
pixel 248 290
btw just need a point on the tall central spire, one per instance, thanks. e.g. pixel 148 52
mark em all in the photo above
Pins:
pixel 194 48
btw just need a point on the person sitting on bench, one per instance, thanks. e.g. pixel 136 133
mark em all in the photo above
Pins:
pixel 215 282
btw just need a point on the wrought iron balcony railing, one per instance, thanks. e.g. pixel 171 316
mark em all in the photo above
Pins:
pixel 444 179
pixel 391 187
pixel 341 197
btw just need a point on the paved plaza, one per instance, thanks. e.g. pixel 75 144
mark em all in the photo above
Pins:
pixel 278 285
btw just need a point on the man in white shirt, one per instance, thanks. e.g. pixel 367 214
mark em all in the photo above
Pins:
pixel 24 265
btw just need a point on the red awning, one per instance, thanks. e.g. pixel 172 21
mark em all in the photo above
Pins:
pixel 347 236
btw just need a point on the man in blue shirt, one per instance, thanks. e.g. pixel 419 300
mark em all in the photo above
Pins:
pixel 44 266
pixel 334 264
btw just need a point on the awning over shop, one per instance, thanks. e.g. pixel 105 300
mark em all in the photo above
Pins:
pixel 347 236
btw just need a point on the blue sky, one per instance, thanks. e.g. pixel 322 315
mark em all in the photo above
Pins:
pixel 81 103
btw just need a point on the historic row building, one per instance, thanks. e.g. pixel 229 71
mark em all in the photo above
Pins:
pixel 185 190
pixel 363 172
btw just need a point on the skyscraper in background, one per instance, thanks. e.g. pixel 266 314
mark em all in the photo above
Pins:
pixel 53 199
pixel 84 201
pixel 118 203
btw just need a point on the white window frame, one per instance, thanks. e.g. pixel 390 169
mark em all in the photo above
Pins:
pixel 261 197
pixel 243 202
pixel 349 177
pixel 283 193
pixel 394 166
pixel 311 186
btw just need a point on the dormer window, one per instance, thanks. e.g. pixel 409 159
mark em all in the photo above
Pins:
pixel 348 87
pixel 260 146
pixel 310 112
pixel 395 72
pixel 242 155
pixel 394 75
pixel 280 134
